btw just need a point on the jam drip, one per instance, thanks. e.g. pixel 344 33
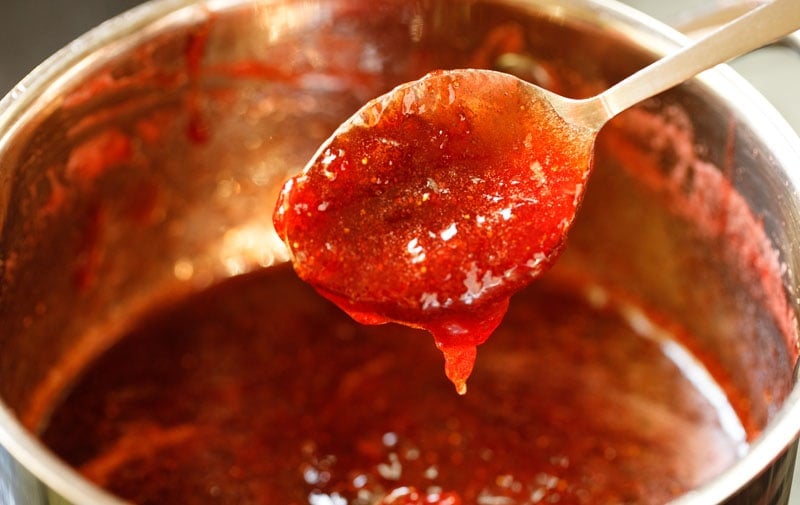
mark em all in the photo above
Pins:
pixel 434 204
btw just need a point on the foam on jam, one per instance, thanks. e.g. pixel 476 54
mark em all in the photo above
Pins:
pixel 435 203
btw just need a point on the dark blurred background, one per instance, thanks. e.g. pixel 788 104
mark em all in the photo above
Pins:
pixel 32 30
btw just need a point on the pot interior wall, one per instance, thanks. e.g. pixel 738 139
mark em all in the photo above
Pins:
pixel 154 174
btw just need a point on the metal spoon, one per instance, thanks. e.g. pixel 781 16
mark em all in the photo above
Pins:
pixel 759 27
pixel 437 201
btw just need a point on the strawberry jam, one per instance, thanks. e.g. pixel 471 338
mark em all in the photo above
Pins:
pixel 434 204
pixel 257 391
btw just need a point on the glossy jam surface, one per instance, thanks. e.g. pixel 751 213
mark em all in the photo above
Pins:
pixel 258 391
pixel 435 203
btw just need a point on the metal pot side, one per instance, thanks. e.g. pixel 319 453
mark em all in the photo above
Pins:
pixel 121 87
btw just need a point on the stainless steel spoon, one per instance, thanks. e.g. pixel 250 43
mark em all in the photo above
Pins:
pixel 759 27
pixel 435 202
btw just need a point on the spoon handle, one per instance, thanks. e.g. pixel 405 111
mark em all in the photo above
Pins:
pixel 761 26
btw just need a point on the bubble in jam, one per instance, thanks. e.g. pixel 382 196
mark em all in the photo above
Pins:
pixel 434 203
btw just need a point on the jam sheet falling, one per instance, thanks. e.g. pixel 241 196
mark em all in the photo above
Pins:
pixel 436 202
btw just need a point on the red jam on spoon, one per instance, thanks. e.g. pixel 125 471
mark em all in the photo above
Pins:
pixel 436 202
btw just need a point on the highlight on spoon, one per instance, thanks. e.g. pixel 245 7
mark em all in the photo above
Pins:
pixel 434 203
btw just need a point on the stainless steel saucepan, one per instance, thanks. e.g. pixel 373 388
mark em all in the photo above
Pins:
pixel 141 163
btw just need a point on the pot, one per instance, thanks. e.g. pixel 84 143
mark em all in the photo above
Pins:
pixel 139 166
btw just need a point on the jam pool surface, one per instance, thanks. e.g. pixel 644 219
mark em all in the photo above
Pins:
pixel 258 391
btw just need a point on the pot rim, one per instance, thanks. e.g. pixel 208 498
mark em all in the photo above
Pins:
pixel 40 87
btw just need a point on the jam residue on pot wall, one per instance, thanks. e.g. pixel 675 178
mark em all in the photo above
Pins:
pixel 259 391
pixel 702 193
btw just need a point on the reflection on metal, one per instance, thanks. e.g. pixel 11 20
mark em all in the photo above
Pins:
pixel 18 486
